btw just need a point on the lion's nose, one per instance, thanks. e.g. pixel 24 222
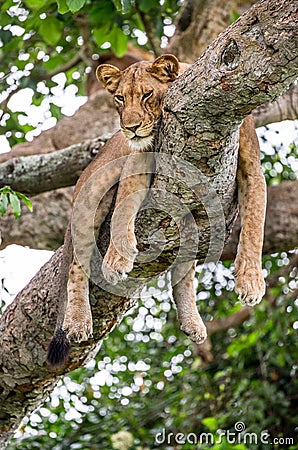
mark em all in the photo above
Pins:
pixel 133 128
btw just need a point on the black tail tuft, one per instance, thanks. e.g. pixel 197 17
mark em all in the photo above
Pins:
pixel 59 349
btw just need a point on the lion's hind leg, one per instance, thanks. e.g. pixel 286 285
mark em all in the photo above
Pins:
pixel 249 280
pixel 190 320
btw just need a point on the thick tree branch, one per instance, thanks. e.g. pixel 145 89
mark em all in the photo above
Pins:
pixel 44 172
pixel 284 108
pixel 250 63
pixel 41 173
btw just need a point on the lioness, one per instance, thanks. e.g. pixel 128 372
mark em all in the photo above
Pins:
pixel 138 92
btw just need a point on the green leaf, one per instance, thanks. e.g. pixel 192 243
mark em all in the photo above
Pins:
pixel 123 6
pixel 3 203
pixel 75 5
pixel 6 5
pixel 234 16
pixel 35 4
pixel 5 36
pixel 25 200
pixel 210 423
pixel 146 6
pixel 51 29
pixel 15 204
pixel 102 14
pixel 62 6
pixel 53 62
pixel 118 41
pixel 101 34
pixel 55 111
pixel 115 36
pixel 8 196
pixel 118 4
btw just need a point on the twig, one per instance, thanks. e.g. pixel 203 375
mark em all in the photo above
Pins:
pixel 152 39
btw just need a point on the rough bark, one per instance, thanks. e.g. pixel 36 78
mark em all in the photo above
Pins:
pixel 45 227
pixel 284 108
pixel 42 173
pixel 250 63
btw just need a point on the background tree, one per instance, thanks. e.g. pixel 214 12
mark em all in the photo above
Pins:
pixel 250 370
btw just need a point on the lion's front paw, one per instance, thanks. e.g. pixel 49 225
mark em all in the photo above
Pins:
pixel 115 267
pixel 249 282
pixel 195 330
pixel 78 327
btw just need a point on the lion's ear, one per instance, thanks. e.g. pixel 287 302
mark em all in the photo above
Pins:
pixel 109 76
pixel 165 68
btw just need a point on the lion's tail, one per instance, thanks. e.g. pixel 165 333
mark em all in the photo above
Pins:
pixel 58 349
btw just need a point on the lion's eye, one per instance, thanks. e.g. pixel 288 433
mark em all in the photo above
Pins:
pixel 147 95
pixel 119 98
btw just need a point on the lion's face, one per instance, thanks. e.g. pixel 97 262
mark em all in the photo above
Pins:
pixel 138 93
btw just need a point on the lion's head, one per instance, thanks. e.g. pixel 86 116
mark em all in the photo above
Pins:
pixel 138 92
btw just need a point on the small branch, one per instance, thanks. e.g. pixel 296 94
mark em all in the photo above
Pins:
pixel 69 65
pixel 284 108
pixel 149 30
pixel 45 76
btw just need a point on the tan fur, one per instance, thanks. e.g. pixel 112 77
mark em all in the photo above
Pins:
pixel 249 279
pixel 138 93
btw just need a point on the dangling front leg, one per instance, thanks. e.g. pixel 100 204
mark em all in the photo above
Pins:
pixel 77 322
pixel 190 320
pixel 249 281
pixel 132 190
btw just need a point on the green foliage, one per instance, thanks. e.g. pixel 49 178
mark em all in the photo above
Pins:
pixel 75 5
pixel 148 381
pixel 279 167
pixel 13 198
pixel 39 38
pixel 50 30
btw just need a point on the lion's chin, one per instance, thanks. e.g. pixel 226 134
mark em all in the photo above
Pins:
pixel 141 143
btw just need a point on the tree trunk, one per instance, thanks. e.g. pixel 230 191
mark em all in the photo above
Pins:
pixel 250 63
pixel 44 172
